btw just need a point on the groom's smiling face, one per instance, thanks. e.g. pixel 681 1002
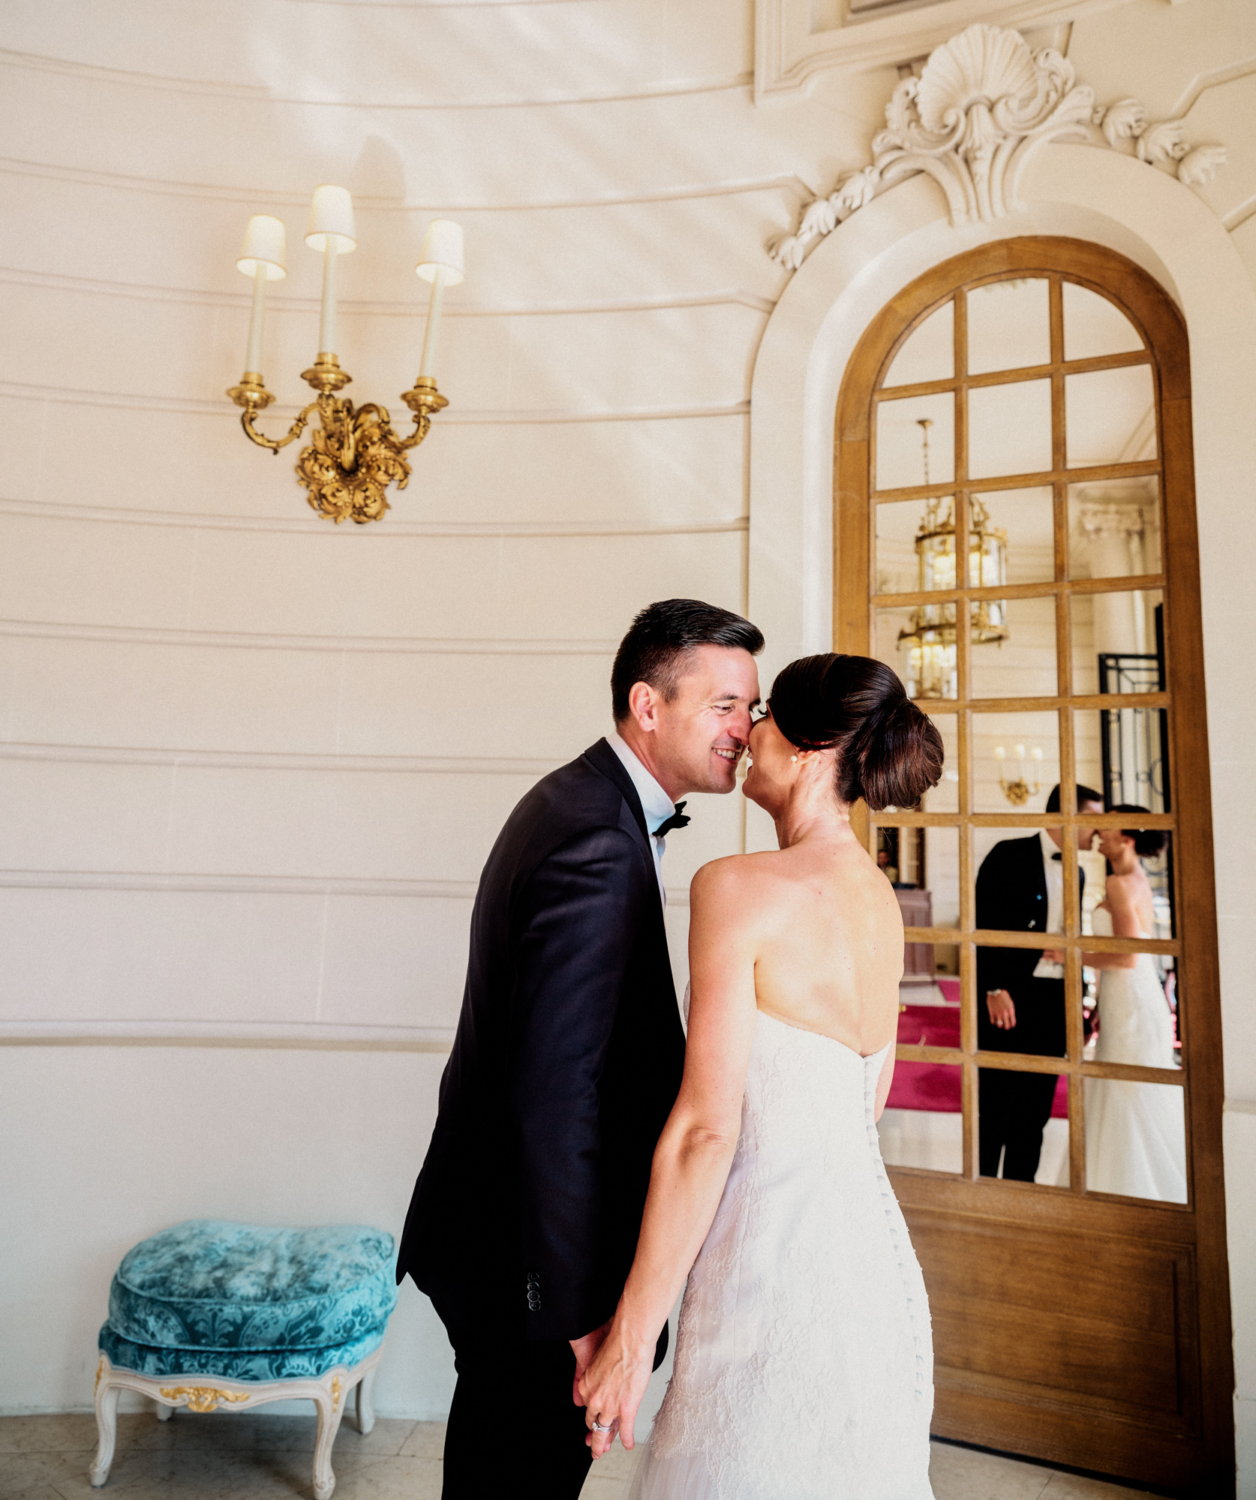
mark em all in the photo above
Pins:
pixel 695 739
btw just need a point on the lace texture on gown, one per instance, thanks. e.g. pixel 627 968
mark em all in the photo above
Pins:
pixel 804 1360
pixel 1135 1137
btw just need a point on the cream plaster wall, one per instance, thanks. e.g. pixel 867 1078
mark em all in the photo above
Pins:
pixel 250 764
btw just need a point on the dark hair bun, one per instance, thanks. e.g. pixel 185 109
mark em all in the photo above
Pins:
pixel 888 752
pixel 1149 843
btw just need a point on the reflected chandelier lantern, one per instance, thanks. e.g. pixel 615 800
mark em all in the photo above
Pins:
pixel 928 643
pixel 354 454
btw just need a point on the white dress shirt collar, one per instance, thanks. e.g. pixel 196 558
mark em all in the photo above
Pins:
pixel 655 803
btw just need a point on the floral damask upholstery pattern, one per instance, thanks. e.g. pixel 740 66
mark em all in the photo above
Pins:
pixel 270 1303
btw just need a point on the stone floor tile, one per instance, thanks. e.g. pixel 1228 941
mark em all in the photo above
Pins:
pixel 1080 1487
pixel 390 1479
pixel 40 1492
pixel 969 1474
pixel 426 1440
pixel 43 1433
pixel 604 1489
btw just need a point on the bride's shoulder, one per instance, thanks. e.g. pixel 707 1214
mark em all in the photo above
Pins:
pixel 737 883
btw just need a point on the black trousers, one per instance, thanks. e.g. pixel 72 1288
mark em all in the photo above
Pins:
pixel 1012 1110
pixel 514 1430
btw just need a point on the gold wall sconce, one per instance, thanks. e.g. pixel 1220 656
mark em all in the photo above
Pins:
pixel 1019 791
pixel 354 454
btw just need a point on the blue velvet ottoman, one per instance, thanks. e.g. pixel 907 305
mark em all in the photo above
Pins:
pixel 210 1314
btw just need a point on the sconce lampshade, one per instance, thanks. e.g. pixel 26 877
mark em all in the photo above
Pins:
pixel 442 250
pixel 331 218
pixel 264 245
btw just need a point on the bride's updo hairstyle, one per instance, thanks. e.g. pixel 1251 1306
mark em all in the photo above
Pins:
pixel 888 752
pixel 1149 843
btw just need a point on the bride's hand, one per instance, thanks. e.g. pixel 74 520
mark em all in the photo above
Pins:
pixel 612 1388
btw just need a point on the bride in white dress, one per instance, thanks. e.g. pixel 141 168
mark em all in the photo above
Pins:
pixel 1135 1140
pixel 804 1363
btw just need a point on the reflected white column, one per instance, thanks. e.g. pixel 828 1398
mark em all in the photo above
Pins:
pixel 1114 538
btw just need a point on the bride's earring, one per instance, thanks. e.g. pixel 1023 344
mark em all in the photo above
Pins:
pixel 793 759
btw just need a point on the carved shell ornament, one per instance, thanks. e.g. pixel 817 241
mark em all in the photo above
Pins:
pixel 983 104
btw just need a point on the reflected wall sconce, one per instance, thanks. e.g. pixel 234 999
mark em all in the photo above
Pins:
pixel 354 454
pixel 1019 792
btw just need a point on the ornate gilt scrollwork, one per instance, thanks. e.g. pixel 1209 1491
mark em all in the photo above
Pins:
pixel 354 454
pixel 203 1397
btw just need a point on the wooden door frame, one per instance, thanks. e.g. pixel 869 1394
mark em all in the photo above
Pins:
pixel 1192 1237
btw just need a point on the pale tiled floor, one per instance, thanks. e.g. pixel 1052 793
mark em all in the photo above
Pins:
pixel 226 1456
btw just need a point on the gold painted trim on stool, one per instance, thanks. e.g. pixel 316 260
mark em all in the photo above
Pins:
pixel 202 1397
pixel 337 1386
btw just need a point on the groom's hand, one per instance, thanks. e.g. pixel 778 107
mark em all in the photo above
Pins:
pixel 1002 1009
pixel 585 1349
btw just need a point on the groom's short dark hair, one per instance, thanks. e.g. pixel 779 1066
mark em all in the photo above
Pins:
pixel 661 638
pixel 1084 794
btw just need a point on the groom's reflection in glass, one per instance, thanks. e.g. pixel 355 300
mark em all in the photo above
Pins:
pixel 1020 996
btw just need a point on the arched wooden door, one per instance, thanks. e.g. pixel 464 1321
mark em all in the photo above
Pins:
pixel 1015 524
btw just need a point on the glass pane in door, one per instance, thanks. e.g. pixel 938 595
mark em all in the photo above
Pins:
pixel 1009 429
pixel 928 353
pixel 1093 326
pixel 915 436
pixel 1118 642
pixel 1009 325
pixel 1110 416
pixel 1016 761
pixel 1136 1139
pixel 922 1124
pixel 1114 528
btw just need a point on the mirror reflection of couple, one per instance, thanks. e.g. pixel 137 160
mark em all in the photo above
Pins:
pixel 587 1160
pixel 1135 1141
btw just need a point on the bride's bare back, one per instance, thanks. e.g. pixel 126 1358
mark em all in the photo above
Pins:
pixel 822 926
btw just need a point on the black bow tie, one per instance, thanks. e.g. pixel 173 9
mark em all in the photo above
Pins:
pixel 1057 856
pixel 677 820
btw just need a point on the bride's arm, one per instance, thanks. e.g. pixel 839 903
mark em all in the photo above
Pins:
pixel 695 1150
pixel 1123 908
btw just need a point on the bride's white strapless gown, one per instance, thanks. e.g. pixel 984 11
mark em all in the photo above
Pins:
pixel 1135 1134
pixel 804 1360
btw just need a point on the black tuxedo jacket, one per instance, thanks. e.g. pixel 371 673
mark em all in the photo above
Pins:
pixel 1012 897
pixel 567 1061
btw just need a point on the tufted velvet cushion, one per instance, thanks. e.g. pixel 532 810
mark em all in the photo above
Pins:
pixel 235 1364
pixel 209 1284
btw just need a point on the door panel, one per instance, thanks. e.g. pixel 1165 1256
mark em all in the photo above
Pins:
pixel 1016 535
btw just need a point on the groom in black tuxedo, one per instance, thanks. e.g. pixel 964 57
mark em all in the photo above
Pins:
pixel 568 1058
pixel 1020 996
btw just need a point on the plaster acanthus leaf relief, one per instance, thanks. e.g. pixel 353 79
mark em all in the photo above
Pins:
pixel 981 107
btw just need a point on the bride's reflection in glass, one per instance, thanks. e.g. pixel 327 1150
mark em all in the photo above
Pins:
pixel 1135 1136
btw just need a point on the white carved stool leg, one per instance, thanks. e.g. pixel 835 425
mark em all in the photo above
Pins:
pixel 364 1408
pixel 330 1405
pixel 164 1412
pixel 107 1425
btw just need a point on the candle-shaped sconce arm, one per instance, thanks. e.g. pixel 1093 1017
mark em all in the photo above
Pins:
pixel 332 233
pixel 441 264
pixel 262 258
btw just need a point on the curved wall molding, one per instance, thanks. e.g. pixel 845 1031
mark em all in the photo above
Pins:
pixel 315 1035
pixel 351 307
pixel 53 510
pixel 256 760
pixel 193 407
pixel 259 885
pixel 258 92
pixel 286 197
pixel 239 640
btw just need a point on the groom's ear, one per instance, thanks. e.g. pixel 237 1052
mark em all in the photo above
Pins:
pixel 643 706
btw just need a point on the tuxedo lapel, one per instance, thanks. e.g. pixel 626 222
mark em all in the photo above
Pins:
pixel 604 760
